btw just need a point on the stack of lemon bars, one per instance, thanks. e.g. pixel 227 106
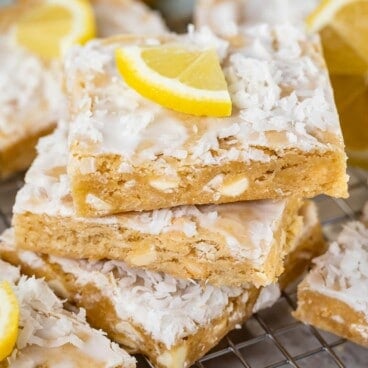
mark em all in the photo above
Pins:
pixel 169 203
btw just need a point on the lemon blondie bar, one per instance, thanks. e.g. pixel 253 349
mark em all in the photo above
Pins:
pixel 226 244
pixel 334 295
pixel 128 153
pixel 31 97
pixel 172 321
pixel 49 335
pixel 224 17
pixel 31 100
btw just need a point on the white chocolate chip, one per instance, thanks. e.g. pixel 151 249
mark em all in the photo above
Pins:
pixel 125 168
pixel 97 203
pixel 234 188
pixel 214 184
pixel 166 185
pixel 59 288
pixel 206 251
pixel 221 326
pixel 175 358
pixel 194 268
pixel 130 184
pixel 216 181
pixel 230 185
pixel 143 257
pixel 130 332
pixel 87 165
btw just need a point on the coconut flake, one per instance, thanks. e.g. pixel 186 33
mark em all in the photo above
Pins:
pixel 341 272
pixel 45 326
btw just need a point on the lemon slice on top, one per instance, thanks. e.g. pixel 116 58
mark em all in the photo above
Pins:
pixel 178 77
pixel 51 27
pixel 343 27
pixel 9 320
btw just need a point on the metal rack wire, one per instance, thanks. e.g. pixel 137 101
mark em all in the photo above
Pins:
pixel 272 338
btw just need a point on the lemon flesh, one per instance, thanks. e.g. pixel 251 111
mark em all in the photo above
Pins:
pixel 9 320
pixel 343 27
pixel 177 77
pixel 50 28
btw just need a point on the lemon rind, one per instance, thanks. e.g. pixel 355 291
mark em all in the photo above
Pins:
pixel 321 16
pixel 161 90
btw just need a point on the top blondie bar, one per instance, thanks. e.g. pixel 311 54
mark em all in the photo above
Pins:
pixel 127 153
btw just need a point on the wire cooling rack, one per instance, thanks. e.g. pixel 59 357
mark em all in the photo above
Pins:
pixel 272 338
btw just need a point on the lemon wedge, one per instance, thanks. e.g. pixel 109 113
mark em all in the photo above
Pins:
pixel 351 94
pixel 177 77
pixel 52 26
pixel 9 320
pixel 344 30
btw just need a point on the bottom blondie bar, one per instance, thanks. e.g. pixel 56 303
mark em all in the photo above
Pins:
pixel 172 321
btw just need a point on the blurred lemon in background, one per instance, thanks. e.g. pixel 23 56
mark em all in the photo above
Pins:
pixel 343 26
pixel 9 319
pixel 52 26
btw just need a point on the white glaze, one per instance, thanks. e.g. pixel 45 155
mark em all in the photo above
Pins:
pixel 342 272
pixel 167 308
pixel 282 100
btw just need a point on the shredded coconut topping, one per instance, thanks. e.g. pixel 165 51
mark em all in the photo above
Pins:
pixel 279 11
pixel 342 272
pixel 29 92
pixel 247 228
pixel 168 308
pixel 44 325
pixel 278 83
pixel 8 272
pixel 225 17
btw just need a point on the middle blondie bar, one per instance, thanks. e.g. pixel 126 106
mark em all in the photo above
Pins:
pixel 228 244
pixel 283 138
